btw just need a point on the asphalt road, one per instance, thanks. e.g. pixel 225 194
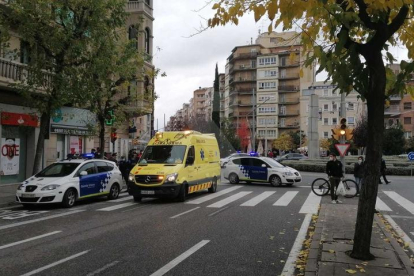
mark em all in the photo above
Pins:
pixel 239 232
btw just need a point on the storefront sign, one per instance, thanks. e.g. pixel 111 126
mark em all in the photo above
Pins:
pixel 10 156
pixel 72 121
pixel 17 119
pixel 75 145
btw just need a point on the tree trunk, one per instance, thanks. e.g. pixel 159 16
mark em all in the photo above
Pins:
pixel 101 120
pixel 368 196
pixel 44 123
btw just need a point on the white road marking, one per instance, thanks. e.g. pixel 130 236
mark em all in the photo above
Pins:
pixel 55 263
pixel 405 203
pixel 179 259
pixel 209 197
pixel 10 214
pixel 257 199
pixel 102 269
pixel 40 219
pixel 289 268
pixel 311 204
pixel 304 186
pixel 228 200
pixel 400 232
pixel 30 239
pixel 116 207
pixel 122 199
pixel 412 233
pixel 218 211
pixel 183 213
pixel 381 206
pixel 286 198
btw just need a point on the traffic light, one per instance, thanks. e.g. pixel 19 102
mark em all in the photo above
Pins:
pixel 114 136
pixel 343 127
pixel 336 133
pixel 349 134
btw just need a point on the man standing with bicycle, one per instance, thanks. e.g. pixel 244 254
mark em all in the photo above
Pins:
pixel 334 171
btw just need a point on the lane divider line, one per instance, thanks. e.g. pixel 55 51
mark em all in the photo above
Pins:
pixel 40 219
pixel 116 207
pixel 102 268
pixel 183 213
pixel 55 263
pixel 179 259
pixel 211 196
pixel 30 239
pixel 218 211
pixel 289 268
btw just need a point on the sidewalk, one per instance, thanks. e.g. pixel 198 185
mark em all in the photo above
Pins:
pixel 8 194
pixel 333 236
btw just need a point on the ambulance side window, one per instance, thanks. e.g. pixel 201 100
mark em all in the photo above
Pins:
pixel 190 156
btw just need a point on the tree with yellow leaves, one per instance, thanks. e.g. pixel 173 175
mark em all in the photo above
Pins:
pixel 324 144
pixel 350 40
pixel 284 142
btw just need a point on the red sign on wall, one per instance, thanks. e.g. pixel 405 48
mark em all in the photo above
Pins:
pixel 18 119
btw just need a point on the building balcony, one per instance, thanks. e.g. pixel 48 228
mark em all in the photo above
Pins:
pixel 12 72
pixel 289 64
pixel 252 55
pixel 287 126
pixel 241 80
pixel 289 101
pixel 288 113
pixel 239 103
pixel 241 68
pixel 242 91
pixel 241 114
pixel 395 98
pixel 392 110
pixel 288 88
pixel 289 76
pixel 139 6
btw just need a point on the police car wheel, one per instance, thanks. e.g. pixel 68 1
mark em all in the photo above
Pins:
pixel 114 191
pixel 234 179
pixel 275 181
pixel 213 187
pixel 69 198
pixel 183 193
pixel 137 198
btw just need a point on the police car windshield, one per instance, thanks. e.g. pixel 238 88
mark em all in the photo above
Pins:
pixel 58 170
pixel 272 162
pixel 163 155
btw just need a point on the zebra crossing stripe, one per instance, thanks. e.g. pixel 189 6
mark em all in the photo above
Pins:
pixel 257 199
pixel 405 203
pixel 286 198
pixel 311 204
pixel 212 196
pixel 228 200
pixel 381 206
pixel 116 207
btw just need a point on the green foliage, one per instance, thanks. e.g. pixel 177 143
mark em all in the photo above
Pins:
pixel 394 141
pixel 229 142
pixel 409 145
pixel 298 141
pixel 216 100
pixel 361 133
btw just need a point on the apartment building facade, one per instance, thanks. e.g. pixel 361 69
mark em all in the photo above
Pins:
pixel 329 108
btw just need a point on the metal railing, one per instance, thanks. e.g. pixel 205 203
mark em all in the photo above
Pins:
pixel 132 6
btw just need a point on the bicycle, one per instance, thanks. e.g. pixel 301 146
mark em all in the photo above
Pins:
pixel 321 187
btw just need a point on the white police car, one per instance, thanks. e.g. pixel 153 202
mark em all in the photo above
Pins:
pixel 67 181
pixel 259 169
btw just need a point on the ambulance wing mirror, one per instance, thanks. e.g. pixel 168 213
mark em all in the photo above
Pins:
pixel 190 161
pixel 83 173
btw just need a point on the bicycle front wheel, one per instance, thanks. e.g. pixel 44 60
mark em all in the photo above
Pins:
pixel 351 188
pixel 320 186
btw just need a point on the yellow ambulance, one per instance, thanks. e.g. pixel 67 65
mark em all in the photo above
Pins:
pixel 175 164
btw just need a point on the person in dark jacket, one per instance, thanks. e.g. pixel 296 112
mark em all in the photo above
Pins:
pixel 359 171
pixel 382 170
pixel 334 171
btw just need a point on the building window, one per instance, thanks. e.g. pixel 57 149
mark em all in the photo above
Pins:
pixel 271 133
pixel 270 73
pixel 147 41
pixel 408 134
pixel 407 106
pixel 326 92
pixel 267 85
pixel 148 2
pixel 133 35
pixel 350 106
pixel 326 121
pixel 334 107
pixel 407 120
pixel 334 121
pixel 325 134
pixel 267 109
pixel 25 52
pixel 326 107
pixel 351 120
pixel 266 98
pixel 267 61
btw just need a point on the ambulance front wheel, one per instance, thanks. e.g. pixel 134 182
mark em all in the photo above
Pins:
pixel 182 194
pixel 213 187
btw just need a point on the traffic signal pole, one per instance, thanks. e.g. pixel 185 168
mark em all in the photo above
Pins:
pixel 342 140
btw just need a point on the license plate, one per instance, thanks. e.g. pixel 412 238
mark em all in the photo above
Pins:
pixel 147 192
pixel 27 195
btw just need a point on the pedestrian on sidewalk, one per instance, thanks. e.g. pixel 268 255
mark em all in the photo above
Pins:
pixel 382 170
pixel 359 171
pixel 334 171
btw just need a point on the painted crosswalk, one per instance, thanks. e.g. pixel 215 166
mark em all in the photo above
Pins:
pixel 116 207
pixel 405 203
pixel 285 199
pixel 257 199
pixel 212 196
pixel 228 200
pixel 311 204
pixel 381 206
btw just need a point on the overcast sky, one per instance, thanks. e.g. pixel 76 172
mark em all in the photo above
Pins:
pixel 190 62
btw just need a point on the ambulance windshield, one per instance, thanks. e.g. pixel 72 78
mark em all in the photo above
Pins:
pixel 163 155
